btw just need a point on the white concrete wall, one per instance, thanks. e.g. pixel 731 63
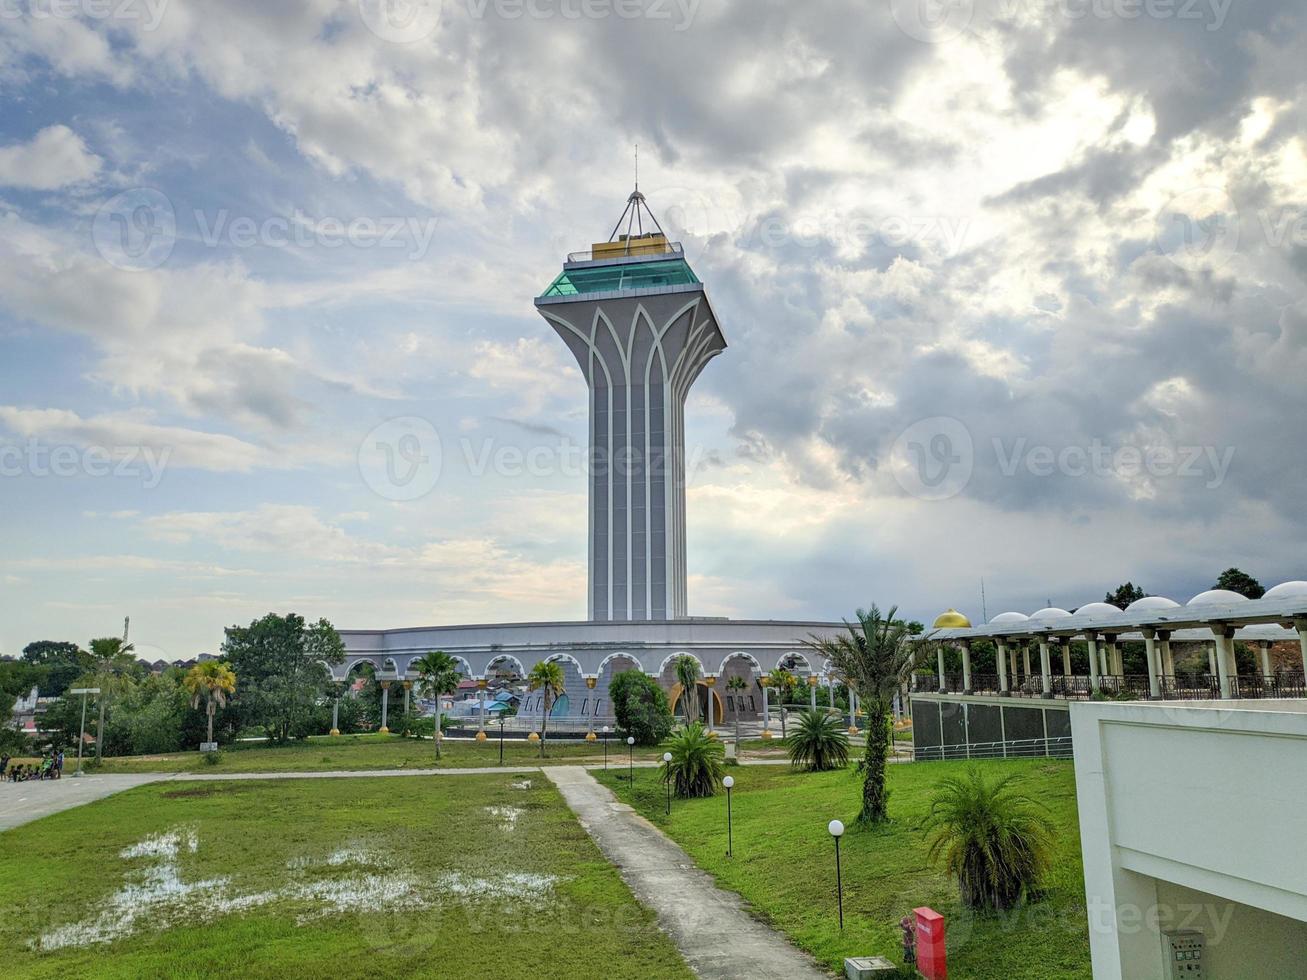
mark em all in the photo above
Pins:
pixel 1208 796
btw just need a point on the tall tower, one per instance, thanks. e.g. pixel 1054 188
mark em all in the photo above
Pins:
pixel 639 323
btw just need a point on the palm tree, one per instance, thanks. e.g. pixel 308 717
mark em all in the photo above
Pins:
pixel 735 685
pixel 546 676
pixel 210 682
pixel 996 841
pixel 696 768
pixel 112 660
pixel 437 676
pixel 875 656
pixel 819 742
pixel 782 681
pixel 687 674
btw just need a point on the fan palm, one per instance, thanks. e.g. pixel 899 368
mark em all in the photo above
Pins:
pixel 875 656
pixel 210 683
pixel 546 676
pixel 697 763
pixel 687 674
pixel 819 742
pixel 736 685
pixel 437 676
pixel 995 840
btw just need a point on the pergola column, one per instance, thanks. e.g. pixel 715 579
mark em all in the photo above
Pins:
pixel 1000 661
pixel 1224 658
pixel 710 681
pixel 1115 667
pixel 385 707
pixel 1150 654
pixel 853 712
pixel 408 690
pixel 1012 662
pixel 1211 660
pixel 482 684
pixel 1065 643
pixel 1025 656
pixel 1045 667
pixel 830 688
pixel 812 691
pixel 939 651
pixel 765 682
pixel 966 666
pixel 335 714
pixel 1266 660
pixel 1091 642
pixel 1164 648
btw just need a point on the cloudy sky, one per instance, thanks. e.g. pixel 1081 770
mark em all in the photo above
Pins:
pixel 1014 290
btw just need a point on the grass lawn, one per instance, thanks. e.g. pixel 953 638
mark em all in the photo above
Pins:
pixel 479 876
pixel 322 753
pixel 784 865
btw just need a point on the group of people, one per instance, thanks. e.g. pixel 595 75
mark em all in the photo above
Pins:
pixel 51 766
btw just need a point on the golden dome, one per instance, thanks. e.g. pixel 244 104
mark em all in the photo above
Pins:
pixel 952 620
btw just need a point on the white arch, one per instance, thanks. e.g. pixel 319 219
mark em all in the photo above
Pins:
pixel 556 657
pixel 792 654
pixel 505 656
pixel 681 653
pixel 351 665
pixel 614 656
pixel 742 655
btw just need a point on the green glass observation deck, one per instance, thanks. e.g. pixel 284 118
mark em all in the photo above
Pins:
pixel 632 275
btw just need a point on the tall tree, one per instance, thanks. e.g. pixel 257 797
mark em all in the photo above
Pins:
pixel 1241 582
pixel 60 662
pixel 113 662
pixel 1124 595
pixel 284 665
pixel 875 654
pixel 209 683
pixel 546 676
pixel 438 676
pixel 687 675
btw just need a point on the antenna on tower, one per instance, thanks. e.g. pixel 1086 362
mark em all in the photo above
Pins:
pixel 984 613
pixel 637 167
pixel 127 625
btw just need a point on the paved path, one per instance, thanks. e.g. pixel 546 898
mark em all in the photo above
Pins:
pixel 21 802
pixel 711 927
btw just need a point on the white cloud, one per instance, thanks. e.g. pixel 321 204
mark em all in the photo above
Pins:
pixel 55 157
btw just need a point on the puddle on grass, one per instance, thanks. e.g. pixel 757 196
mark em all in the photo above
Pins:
pixel 506 815
pixel 522 784
pixel 154 896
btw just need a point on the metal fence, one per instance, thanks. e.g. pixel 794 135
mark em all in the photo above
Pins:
pixel 1173 687
pixel 1031 748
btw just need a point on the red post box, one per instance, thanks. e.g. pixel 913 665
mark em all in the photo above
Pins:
pixel 932 959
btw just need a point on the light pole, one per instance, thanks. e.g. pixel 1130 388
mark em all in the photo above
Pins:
pixel 630 760
pixel 606 748
pixel 728 782
pixel 83 691
pixel 667 778
pixel 837 831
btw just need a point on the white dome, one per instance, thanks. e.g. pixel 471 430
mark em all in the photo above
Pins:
pixel 1287 590
pixel 1097 610
pixel 1010 617
pixel 1050 612
pixel 1212 596
pixel 1150 602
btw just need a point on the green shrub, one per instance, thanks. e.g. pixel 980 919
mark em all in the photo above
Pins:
pixel 697 763
pixel 212 758
pixel 640 706
pixel 997 842
pixel 818 742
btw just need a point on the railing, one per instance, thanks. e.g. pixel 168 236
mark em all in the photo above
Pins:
pixel 1177 687
pixel 639 249
pixel 1052 748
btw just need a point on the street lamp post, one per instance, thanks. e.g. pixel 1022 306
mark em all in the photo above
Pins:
pixel 606 748
pixel 667 778
pixel 728 782
pixel 630 760
pixel 83 691
pixel 837 831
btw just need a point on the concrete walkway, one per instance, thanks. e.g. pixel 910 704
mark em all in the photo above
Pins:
pixel 711 927
pixel 24 802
